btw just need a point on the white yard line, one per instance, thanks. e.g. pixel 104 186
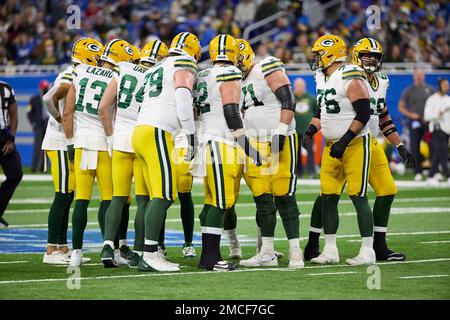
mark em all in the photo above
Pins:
pixel 12 262
pixel 142 275
pixel 428 276
pixel 331 273
pixel 435 242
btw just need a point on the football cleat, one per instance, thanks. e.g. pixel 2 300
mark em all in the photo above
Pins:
pixel 66 256
pixel 262 259
pixel 134 261
pixel 163 257
pixel 55 258
pixel 119 259
pixel 330 254
pixel 223 266
pixel 76 258
pixel 311 251
pixel 107 257
pixel 296 259
pixel 389 255
pixel 128 254
pixel 235 250
pixel 366 256
pixel 154 262
pixel 189 252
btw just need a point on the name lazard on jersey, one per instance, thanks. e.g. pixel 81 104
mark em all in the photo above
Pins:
pixel 90 83
pixel 336 110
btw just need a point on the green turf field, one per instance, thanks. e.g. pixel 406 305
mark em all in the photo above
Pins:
pixel 419 227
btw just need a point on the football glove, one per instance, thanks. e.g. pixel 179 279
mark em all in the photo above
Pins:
pixel 251 152
pixel 307 135
pixel 406 156
pixel 192 147
pixel 109 141
pixel 71 153
pixel 338 148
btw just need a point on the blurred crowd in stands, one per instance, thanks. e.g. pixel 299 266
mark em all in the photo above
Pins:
pixel 36 32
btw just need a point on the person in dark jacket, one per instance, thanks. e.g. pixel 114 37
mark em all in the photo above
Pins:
pixel 38 117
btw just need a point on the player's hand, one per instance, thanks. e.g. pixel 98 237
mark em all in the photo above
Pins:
pixel 306 140
pixel 337 149
pixel 192 147
pixel 71 153
pixel 251 152
pixel 277 144
pixel 406 156
pixel 307 136
pixel 109 141
pixel 8 148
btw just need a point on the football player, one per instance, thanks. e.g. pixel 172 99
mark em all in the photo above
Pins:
pixel 85 51
pixel 368 54
pixel 344 105
pixel 89 148
pixel 166 110
pixel 268 105
pixel 217 95
pixel 125 92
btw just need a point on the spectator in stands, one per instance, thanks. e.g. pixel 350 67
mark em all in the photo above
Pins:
pixel 9 157
pixel 245 13
pixel 437 114
pixel 226 24
pixel 266 9
pixel 24 48
pixel 38 117
pixel 305 108
pixel 412 105
pixel 48 56
pixel 302 49
pixel 261 52
pixel 394 54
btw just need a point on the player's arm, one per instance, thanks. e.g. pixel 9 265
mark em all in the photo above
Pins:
pixel 389 130
pixel 67 120
pixel 13 123
pixel 230 92
pixel 280 85
pixel 184 83
pixel 52 97
pixel 105 111
pixel 358 95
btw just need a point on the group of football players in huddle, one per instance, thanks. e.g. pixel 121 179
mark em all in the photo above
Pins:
pixel 122 115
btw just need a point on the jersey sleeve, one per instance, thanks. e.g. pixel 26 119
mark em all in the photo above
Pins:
pixel 228 73
pixel 67 76
pixel 351 72
pixel 185 63
pixel 116 72
pixel 271 64
pixel 9 94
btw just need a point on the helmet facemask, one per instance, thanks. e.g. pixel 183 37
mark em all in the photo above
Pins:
pixel 371 61
pixel 315 60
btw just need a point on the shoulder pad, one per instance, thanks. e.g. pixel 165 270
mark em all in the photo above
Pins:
pixel 271 64
pixel 228 73
pixel 352 71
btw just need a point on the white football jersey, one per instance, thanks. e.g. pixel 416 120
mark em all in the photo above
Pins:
pixel 158 108
pixel 377 91
pixel 90 83
pixel 130 81
pixel 55 138
pixel 208 101
pixel 259 104
pixel 336 110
